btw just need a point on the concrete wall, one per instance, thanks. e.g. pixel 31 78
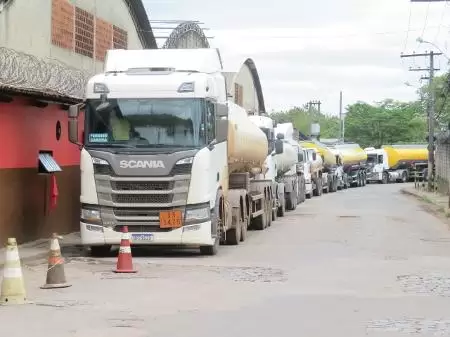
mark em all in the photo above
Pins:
pixel 25 25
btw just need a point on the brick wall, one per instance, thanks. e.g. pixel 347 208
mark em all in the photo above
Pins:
pixel 78 30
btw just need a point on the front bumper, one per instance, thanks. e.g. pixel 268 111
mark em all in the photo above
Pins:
pixel 198 234
pixel 376 176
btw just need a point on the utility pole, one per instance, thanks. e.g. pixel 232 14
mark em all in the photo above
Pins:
pixel 341 119
pixel 430 110
pixel 314 103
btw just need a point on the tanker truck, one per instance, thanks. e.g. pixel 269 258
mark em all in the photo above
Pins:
pixel 354 160
pixel 331 172
pixel 396 163
pixel 167 155
pixel 292 177
pixel 319 179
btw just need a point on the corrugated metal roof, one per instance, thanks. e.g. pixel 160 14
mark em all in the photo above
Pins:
pixel 49 163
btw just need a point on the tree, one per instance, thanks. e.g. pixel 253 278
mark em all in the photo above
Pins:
pixel 386 122
pixel 302 119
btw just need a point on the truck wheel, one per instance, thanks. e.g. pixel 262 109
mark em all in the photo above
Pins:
pixel 234 234
pixel 404 177
pixel 100 251
pixel 216 230
pixel 385 178
pixel 282 209
pixel 244 229
pixel 260 223
pixel 269 213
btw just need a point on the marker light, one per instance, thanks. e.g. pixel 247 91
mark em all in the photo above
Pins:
pixel 187 87
pixel 100 88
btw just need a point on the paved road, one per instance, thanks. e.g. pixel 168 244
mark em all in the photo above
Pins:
pixel 367 261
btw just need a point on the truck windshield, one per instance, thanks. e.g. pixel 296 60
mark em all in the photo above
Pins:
pixel 372 159
pixel 172 122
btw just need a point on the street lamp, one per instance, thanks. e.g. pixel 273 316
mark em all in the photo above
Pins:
pixel 421 40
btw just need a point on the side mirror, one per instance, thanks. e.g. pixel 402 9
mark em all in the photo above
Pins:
pixel 221 110
pixel 73 131
pixel 279 146
pixel 337 160
pixel 221 130
pixel 74 111
pixel 314 156
pixel 280 136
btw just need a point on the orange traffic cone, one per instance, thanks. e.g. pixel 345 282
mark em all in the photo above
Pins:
pixel 125 260
pixel 56 277
pixel 13 287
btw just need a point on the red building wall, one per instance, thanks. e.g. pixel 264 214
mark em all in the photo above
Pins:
pixel 24 194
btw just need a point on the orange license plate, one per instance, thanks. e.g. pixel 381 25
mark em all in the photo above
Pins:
pixel 170 219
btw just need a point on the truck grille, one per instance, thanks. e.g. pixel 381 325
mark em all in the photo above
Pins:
pixel 137 201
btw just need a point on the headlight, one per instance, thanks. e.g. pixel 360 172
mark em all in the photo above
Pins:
pixel 188 160
pixel 98 161
pixel 91 216
pixel 197 214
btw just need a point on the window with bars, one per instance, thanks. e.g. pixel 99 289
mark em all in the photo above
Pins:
pixel 120 38
pixel 84 32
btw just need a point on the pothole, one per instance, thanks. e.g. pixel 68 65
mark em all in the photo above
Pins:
pixel 432 284
pixel 412 326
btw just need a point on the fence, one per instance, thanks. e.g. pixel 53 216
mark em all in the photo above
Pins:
pixel 442 157
pixel 27 73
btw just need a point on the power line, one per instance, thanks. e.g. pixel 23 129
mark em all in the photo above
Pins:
pixel 409 27
pixel 430 110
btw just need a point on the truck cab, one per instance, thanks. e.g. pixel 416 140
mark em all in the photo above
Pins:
pixel 154 151
pixel 377 162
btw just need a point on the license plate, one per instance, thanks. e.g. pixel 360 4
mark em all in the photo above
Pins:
pixel 142 237
pixel 170 219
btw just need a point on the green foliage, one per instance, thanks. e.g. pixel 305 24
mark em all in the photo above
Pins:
pixel 386 122
pixel 441 90
pixel 302 119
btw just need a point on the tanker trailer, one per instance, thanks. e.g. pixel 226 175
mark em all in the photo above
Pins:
pixel 399 163
pixel 272 170
pixel 186 172
pixel 354 160
pixel 289 168
pixel 315 161
pixel 330 171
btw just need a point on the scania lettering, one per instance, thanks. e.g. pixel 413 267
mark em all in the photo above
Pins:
pixel 166 154
pixel 142 164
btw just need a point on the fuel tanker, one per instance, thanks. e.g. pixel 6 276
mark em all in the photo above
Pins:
pixel 354 160
pixel 325 165
pixel 396 163
pixel 290 172
pixel 189 171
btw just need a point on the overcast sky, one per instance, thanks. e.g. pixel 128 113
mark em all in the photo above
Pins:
pixel 310 50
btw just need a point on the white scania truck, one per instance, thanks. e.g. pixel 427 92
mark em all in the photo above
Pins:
pixel 167 155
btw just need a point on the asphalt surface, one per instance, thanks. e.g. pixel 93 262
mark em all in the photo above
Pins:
pixel 363 262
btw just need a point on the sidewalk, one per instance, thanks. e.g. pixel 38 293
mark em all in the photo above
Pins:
pixel 437 200
pixel 39 249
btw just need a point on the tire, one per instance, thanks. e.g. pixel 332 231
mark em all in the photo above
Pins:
pixel 404 177
pixel 260 223
pixel 244 229
pixel 215 230
pixel 101 251
pixel 234 234
pixel 281 211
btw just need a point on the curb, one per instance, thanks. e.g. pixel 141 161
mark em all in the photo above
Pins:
pixel 409 192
